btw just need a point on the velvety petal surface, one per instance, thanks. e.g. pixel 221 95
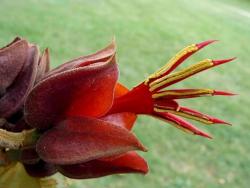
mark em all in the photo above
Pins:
pixel 78 140
pixel 84 91
pixel 100 56
pixel 15 95
pixel 124 119
pixel 12 59
pixel 130 162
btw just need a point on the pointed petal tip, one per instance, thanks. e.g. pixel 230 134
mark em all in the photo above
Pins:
pixel 144 171
pixel 225 93
pixel 205 43
pixel 222 61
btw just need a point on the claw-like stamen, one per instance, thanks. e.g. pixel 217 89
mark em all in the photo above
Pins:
pixel 192 114
pixel 188 93
pixel 150 97
pixel 185 73
pixel 178 59
pixel 182 124
pixel 222 61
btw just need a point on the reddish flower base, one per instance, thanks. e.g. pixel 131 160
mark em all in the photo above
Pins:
pixel 83 117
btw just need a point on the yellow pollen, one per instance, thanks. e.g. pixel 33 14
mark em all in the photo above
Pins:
pixel 207 63
pixel 202 119
pixel 172 61
pixel 183 93
pixel 176 125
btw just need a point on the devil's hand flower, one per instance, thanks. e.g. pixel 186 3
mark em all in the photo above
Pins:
pixel 153 98
pixel 84 116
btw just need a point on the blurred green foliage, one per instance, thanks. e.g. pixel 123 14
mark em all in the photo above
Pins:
pixel 148 33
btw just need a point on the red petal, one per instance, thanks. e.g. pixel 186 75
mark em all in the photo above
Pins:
pixel 120 90
pixel 125 119
pixel 100 56
pixel 138 100
pixel 78 140
pixel 85 91
pixel 130 162
pixel 12 59
pixel 13 100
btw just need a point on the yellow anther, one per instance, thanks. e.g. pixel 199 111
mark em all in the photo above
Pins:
pixel 207 63
pixel 176 125
pixel 183 93
pixel 172 61
pixel 202 119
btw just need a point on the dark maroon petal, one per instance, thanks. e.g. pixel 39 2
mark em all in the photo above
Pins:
pixel 84 91
pixel 43 65
pixel 130 162
pixel 12 59
pixel 29 156
pixel 12 42
pixel 100 56
pixel 16 125
pixel 40 169
pixel 78 140
pixel 15 95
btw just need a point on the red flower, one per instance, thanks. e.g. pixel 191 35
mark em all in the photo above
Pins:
pixel 71 104
pixel 84 116
pixel 151 98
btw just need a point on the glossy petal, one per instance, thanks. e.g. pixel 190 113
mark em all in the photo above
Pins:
pixel 85 91
pixel 124 119
pixel 12 59
pixel 120 90
pixel 78 140
pixel 130 162
pixel 13 100
pixel 138 100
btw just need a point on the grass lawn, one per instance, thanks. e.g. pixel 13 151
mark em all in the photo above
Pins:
pixel 148 33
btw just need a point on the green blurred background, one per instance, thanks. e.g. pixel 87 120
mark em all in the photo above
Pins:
pixel 148 33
